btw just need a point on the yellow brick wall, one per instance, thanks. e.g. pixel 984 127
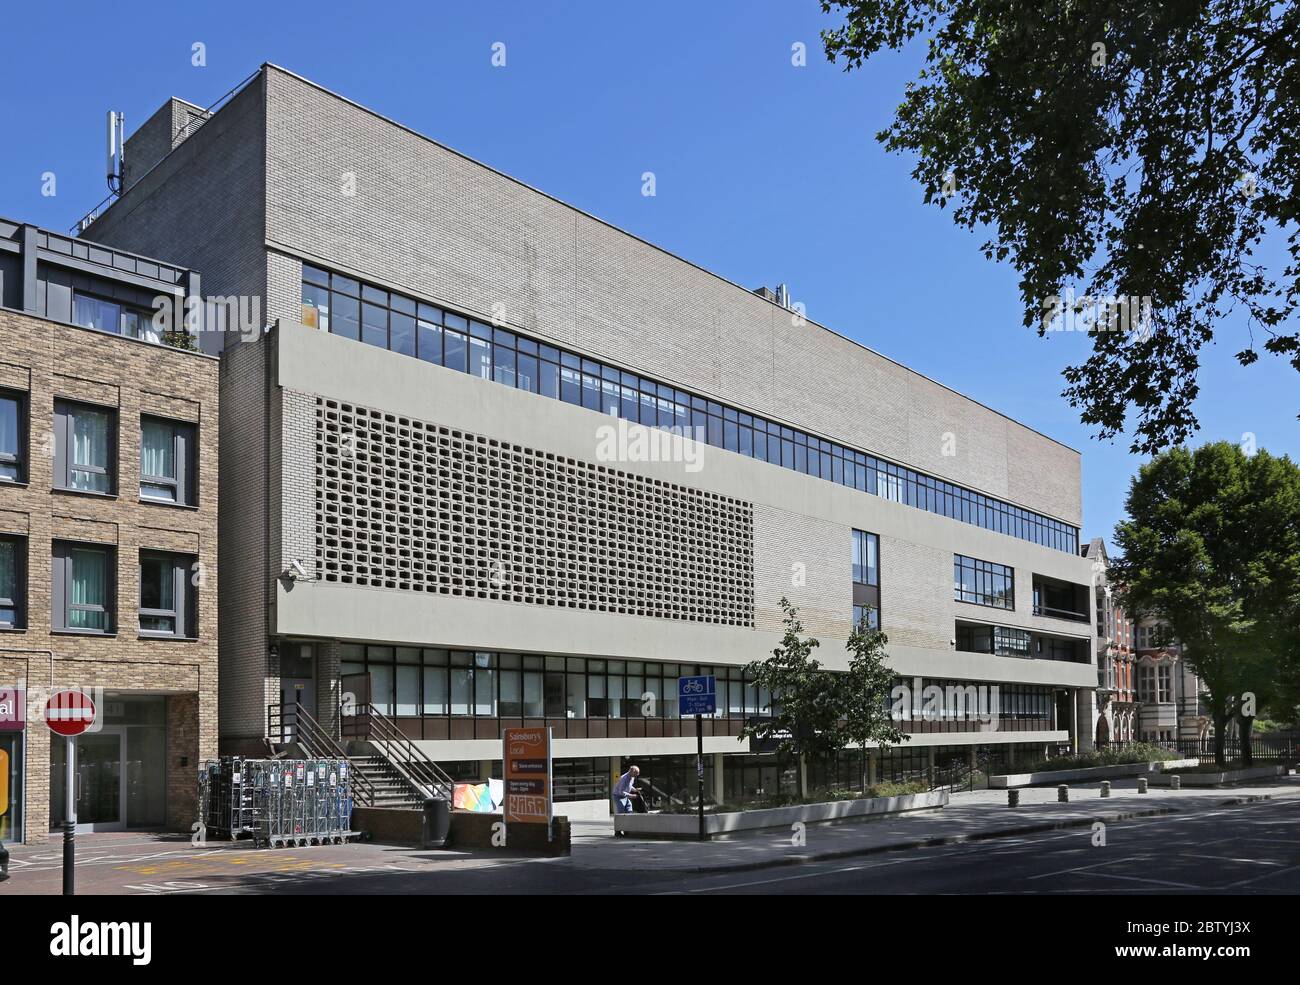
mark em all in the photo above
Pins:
pixel 52 361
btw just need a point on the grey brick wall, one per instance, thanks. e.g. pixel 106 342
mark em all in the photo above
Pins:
pixel 446 228
pixel 202 206
pixel 243 532
pixel 172 123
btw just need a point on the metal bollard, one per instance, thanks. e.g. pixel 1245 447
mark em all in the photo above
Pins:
pixel 1105 788
pixel 1013 798
pixel 1175 782
pixel 1063 794
pixel 1142 784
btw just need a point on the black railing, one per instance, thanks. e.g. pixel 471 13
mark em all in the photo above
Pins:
pixel 1263 748
pixel 1047 610
pixel 366 722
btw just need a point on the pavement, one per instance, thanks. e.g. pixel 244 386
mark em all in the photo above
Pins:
pixel 975 826
pixel 970 816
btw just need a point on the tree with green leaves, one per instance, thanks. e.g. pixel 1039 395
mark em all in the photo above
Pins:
pixel 865 691
pixel 803 714
pixel 1211 547
pixel 1135 150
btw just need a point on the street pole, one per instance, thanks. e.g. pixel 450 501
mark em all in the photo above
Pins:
pixel 699 768
pixel 70 821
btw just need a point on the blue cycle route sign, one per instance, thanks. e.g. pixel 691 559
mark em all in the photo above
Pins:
pixel 696 696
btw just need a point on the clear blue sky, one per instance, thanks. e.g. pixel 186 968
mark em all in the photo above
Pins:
pixel 766 173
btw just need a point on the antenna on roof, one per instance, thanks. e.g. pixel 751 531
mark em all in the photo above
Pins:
pixel 116 150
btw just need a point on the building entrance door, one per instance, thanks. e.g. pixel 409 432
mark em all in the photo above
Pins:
pixel 101 790
pixel 297 681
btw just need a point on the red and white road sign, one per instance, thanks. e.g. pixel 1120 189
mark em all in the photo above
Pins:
pixel 69 713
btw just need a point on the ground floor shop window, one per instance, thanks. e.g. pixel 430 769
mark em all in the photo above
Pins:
pixel 11 763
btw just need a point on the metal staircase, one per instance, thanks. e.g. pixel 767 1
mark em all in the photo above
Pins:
pixel 388 769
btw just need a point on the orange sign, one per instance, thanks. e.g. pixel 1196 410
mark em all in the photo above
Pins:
pixel 4 783
pixel 526 756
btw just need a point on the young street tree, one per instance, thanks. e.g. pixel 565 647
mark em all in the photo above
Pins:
pixel 803 717
pixel 864 693
pixel 1211 547
pixel 1130 150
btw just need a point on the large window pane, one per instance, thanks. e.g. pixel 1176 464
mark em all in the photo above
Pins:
pixel 435 690
pixel 455 347
pixel 480 358
pixel 10 438
pixel 403 334
pixel 374 325
pixel 9 582
pixel 90 312
pixel 88 452
pixel 408 690
pixel 315 307
pixel 345 316
pixel 88 597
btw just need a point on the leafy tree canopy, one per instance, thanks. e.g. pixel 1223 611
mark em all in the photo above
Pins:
pixel 1136 148
pixel 1211 546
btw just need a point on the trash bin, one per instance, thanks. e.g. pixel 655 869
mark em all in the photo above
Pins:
pixel 436 824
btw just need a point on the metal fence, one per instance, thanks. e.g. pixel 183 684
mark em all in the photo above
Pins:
pixel 1278 748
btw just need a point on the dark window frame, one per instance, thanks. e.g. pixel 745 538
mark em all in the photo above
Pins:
pixel 64 416
pixel 18 601
pixel 124 308
pixel 61 586
pixel 184 454
pixel 184 611
pixel 18 459
pixel 983 573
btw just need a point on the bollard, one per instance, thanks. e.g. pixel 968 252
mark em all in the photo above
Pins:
pixel 1142 784
pixel 1105 788
pixel 1063 794
pixel 1013 798
pixel 1175 782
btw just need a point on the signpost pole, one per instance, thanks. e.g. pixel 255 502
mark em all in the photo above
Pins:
pixel 70 820
pixel 699 768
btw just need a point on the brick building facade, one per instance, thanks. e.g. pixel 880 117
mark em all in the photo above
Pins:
pixel 114 577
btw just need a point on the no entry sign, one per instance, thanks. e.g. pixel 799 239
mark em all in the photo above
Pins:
pixel 69 713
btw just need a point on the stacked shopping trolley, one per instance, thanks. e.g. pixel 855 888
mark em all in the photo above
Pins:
pixel 279 802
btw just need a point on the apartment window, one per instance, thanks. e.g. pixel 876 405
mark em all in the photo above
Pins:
pixel 85 442
pixel 866 554
pixel 1165 683
pixel 334 303
pixel 983 582
pixel 89 311
pixel 13 582
pixel 168 600
pixel 167 452
pixel 13 431
pixel 83 585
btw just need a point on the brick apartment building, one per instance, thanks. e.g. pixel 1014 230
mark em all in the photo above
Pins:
pixel 108 522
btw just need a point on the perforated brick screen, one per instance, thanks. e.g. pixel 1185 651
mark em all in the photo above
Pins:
pixel 412 506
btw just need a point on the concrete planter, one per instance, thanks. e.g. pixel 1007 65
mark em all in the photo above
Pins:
pixel 687 826
pixel 1088 775
pixel 1224 776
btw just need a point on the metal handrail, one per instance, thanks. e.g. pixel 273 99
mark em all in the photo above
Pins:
pixel 422 770
pixel 1047 610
